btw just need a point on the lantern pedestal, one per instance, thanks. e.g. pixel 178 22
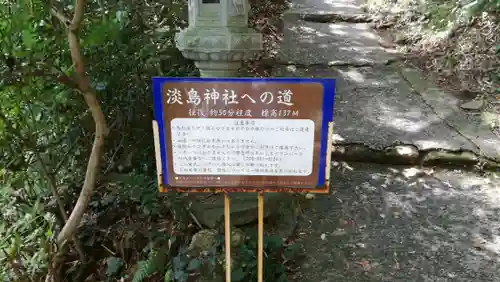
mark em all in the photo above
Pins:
pixel 218 38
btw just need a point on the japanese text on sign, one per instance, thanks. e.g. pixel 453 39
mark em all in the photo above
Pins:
pixel 227 97
pixel 228 146
pixel 265 113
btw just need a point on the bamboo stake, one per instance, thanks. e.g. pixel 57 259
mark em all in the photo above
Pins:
pixel 260 245
pixel 227 236
pixel 156 138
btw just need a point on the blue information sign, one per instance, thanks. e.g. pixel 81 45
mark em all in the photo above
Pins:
pixel 244 134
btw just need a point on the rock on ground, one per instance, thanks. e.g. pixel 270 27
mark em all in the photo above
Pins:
pixel 209 209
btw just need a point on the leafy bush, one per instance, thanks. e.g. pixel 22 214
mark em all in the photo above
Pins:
pixel 277 254
pixel 45 127
pixel 26 228
pixel 211 263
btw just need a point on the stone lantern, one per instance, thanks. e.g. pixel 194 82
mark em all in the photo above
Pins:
pixel 218 38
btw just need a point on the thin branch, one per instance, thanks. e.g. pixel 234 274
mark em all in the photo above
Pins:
pixel 53 188
pixel 60 77
pixel 101 129
pixel 62 18
pixel 112 158
pixel 78 16
pixel 61 162
pixel 52 185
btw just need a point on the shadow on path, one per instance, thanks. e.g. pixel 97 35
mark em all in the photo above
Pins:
pixel 402 224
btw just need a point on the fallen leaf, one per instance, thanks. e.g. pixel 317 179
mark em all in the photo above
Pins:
pixel 478 243
pixel 338 232
pixel 365 264
pixel 473 105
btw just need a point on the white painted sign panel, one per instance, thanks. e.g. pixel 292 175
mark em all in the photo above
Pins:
pixel 232 146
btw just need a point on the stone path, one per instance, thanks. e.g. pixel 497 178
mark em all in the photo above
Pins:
pixel 388 223
pixel 379 108
pixel 379 105
pixel 345 7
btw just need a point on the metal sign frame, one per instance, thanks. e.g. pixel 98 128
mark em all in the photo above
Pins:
pixel 328 86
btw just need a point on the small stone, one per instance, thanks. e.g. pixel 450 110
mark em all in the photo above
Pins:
pixel 310 196
pixel 478 243
pixel 323 236
pixel 237 237
pixel 473 105
pixel 244 208
pixel 203 240
pixel 490 119
pixel 412 172
pixel 406 151
pixel 447 72
pixel 291 68
pixel 400 39
pixel 339 232
pixel 361 245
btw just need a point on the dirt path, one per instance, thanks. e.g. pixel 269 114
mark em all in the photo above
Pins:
pixel 387 223
pixel 403 224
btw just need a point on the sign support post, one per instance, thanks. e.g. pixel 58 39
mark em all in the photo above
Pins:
pixel 260 235
pixel 227 234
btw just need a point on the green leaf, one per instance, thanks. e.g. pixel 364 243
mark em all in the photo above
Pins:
pixel 143 270
pixel 28 38
pixel 49 233
pixel 252 264
pixel 178 263
pixel 167 277
pixel 282 278
pixel 193 265
pixel 113 265
pixel 238 275
pixel 292 251
pixel 273 242
pixel 181 276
